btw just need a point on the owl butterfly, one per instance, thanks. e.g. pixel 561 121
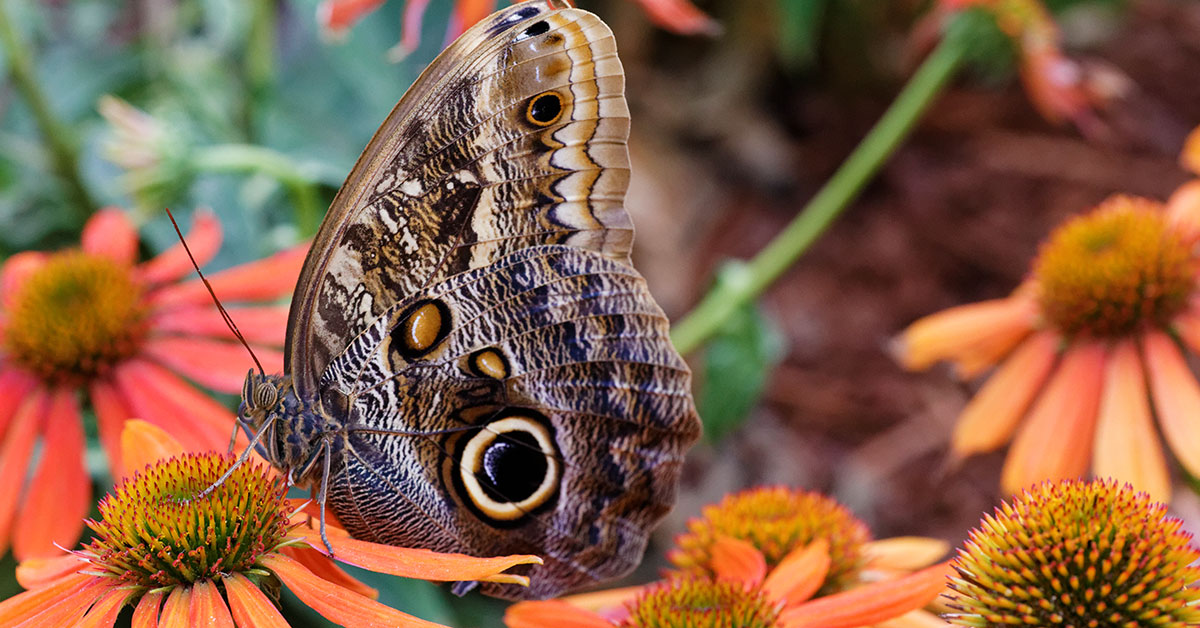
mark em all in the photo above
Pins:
pixel 474 364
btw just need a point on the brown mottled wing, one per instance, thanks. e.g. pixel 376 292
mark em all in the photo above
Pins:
pixel 466 170
pixel 584 348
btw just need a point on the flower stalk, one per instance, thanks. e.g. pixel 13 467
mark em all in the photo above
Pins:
pixel 257 159
pixel 724 299
pixel 59 139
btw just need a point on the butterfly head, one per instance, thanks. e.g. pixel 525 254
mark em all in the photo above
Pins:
pixel 262 403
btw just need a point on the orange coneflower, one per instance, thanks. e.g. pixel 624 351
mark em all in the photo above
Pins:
pixel 337 16
pixel 1077 554
pixel 182 559
pixel 1089 349
pixel 771 558
pixel 91 320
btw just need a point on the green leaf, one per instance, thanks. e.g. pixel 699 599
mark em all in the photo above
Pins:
pixel 737 362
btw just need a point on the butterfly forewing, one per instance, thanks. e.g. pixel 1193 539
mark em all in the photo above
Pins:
pixel 486 371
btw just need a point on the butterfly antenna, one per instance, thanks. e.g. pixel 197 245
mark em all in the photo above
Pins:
pixel 221 308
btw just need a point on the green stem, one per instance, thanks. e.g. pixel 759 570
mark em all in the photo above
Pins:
pixel 59 138
pixel 256 159
pixel 259 65
pixel 726 297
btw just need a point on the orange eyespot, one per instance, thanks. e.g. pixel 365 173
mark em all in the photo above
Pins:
pixel 544 109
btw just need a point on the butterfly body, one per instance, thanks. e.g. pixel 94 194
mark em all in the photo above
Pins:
pixel 474 364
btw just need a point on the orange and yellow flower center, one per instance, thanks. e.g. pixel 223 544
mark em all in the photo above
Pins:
pixel 156 531
pixel 1078 554
pixel 701 603
pixel 1115 270
pixel 776 520
pixel 75 317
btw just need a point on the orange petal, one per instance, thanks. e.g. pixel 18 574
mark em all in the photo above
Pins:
pixel 965 332
pixel 1127 447
pixel 871 603
pixel 605 599
pixel 262 325
pixel 1055 442
pixel 110 234
pixel 204 240
pixel 143 444
pixel 16 270
pixel 60 493
pixel 680 16
pixel 15 386
pixel 335 603
pixel 249 606
pixel 207 608
pixel 175 610
pixel 1176 397
pixel 1190 157
pixel 145 614
pixel 103 614
pixel 914 619
pixel 30 603
pixel 321 565
pixel 992 415
pixel 552 614
pixel 214 364
pixel 420 563
pixel 410 35
pixel 738 560
pixel 111 414
pixel 800 574
pixel 1054 84
pixel 904 552
pixel 36 573
pixel 339 15
pixel 14 459
pixel 263 280
pixel 65 608
pixel 162 398
pixel 471 11
pixel 1183 208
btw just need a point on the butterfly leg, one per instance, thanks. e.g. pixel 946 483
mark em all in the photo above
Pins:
pixel 322 452
pixel 241 459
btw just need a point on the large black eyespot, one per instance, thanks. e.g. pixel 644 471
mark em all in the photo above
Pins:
pixel 509 469
pixel 419 329
pixel 538 28
pixel 544 109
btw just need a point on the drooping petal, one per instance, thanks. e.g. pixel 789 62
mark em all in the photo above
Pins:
pixel 263 325
pixel 14 459
pixel 162 398
pixel 738 561
pixel 1127 448
pixel 214 364
pixel 111 415
pixel 871 603
pixel 207 608
pixel 992 415
pixel 680 16
pixel 420 563
pixel 1055 442
pixel 145 614
pixel 60 493
pixel 59 604
pixel 322 566
pixel 1183 208
pixel 608 603
pixel 471 11
pixel 15 271
pixel 337 16
pixel 904 552
pixel 410 34
pixel 175 609
pixel 965 332
pixel 110 234
pixel 15 385
pixel 552 614
pixel 144 443
pixel 1176 396
pixel 915 619
pixel 1189 158
pixel 249 606
pixel 103 614
pixel 204 240
pixel 800 574
pixel 262 280
pixel 36 573
pixel 335 603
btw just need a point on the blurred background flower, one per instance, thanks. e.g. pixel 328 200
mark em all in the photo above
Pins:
pixel 92 320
